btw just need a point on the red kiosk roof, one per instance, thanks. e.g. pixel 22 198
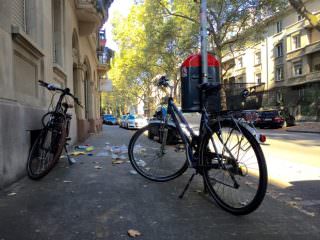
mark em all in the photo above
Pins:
pixel 194 60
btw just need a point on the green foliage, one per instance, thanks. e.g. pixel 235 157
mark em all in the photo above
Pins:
pixel 158 35
pixel 151 42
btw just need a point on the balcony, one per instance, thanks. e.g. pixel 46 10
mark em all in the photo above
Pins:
pixel 312 48
pixel 313 77
pixel 91 14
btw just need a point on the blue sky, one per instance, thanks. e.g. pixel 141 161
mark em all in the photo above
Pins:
pixel 118 6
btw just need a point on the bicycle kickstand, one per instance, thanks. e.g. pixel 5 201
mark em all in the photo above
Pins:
pixel 70 160
pixel 187 186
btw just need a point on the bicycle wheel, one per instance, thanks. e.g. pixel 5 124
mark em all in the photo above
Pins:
pixel 154 160
pixel 235 173
pixel 44 153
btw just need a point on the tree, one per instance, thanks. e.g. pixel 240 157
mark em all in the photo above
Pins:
pixel 151 42
pixel 299 6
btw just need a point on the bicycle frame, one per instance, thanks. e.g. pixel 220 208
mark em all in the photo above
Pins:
pixel 179 119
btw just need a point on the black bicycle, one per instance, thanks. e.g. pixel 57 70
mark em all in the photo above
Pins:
pixel 47 148
pixel 225 153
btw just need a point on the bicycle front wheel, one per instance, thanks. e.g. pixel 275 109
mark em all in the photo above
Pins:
pixel 44 153
pixel 157 152
pixel 234 171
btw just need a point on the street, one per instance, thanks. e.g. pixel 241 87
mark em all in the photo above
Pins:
pixel 95 199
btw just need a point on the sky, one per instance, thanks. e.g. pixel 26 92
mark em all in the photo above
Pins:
pixel 122 6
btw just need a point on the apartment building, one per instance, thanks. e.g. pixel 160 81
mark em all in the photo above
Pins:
pixel 286 63
pixel 54 41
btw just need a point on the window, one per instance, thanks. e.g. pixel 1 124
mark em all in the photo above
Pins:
pixel 317 67
pixel 57 22
pixel 240 62
pixel 18 14
pixel 257 58
pixel 297 68
pixel 279 26
pixel 279 73
pixel 296 41
pixel 258 78
pixel 279 50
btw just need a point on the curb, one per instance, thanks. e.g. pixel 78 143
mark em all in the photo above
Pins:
pixel 303 131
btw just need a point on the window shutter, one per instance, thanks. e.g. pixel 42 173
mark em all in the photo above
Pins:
pixel 18 13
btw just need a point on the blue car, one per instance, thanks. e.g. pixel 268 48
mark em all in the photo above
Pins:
pixel 109 119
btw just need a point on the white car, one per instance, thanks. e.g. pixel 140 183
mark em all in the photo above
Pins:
pixel 133 122
pixel 122 122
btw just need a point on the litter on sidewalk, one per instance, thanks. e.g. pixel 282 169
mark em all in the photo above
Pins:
pixel 133 233
pixel 117 162
pixel 77 153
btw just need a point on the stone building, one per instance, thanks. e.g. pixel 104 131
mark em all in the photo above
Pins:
pixel 286 62
pixel 54 41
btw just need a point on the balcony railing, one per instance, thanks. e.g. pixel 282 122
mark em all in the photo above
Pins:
pixel 313 77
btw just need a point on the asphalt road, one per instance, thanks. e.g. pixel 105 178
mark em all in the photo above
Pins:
pixel 95 199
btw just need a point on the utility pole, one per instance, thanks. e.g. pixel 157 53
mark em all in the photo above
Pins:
pixel 204 41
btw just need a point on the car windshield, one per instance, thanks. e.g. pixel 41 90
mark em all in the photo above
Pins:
pixel 131 117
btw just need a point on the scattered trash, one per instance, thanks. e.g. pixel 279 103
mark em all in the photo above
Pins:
pixel 102 154
pixel 37 230
pixel 12 194
pixel 107 143
pixel 77 153
pixel 108 148
pixel 67 181
pixel 133 233
pixel 116 150
pixel 297 198
pixel 133 172
pixel 117 161
pixel 124 149
pixel 90 154
pixel 115 156
pixel 89 149
pixel 141 163
pixel 97 167
pixel 81 147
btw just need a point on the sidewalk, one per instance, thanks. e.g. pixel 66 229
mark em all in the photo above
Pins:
pixel 94 199
pixel 306 127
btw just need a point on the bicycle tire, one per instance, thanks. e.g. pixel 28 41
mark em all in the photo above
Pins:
pixel 48 141
pixel 147 157
pixel 233 151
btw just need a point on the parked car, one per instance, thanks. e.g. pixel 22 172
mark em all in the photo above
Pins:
pixel 155 133
pixel 122 121
pixel 270 119
pixel 250 116
pixel 134 121
pixel 109 119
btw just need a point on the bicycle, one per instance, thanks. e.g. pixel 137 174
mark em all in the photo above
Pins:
pixel 53 138
pixel 225 153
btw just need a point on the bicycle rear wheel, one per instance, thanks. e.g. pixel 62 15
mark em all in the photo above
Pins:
pixel 44 153
pixel 235 172
pixel 154 160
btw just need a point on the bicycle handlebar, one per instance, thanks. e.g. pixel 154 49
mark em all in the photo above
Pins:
pixel 66 91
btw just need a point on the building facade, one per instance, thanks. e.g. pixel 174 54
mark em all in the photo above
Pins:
pixel 286 63
pixel 54 41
